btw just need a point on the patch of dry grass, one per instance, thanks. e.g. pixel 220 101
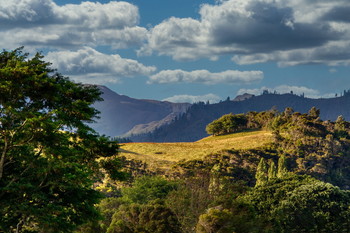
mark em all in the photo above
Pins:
pixel 163 155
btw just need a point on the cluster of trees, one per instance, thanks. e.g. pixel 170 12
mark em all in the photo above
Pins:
pixel 206 202
pixel 299 204
pixel 227 124
pixel 231 123
pixel 311 146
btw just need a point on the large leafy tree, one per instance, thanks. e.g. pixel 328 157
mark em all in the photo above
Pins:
pixel 300 204
pixel 227 124
pixel 48 153
pixel 314 207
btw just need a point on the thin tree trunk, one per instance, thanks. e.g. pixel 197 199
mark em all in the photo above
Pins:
pixel 2 161
pixel 19 226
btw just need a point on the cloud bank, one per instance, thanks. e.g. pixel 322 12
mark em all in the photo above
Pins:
pixel 212 98
pixel 206 77
pixel 91 66
pixel 290 32
pixel 42 23
pixel 283 89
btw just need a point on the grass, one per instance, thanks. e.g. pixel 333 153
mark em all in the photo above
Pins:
pixel 163 155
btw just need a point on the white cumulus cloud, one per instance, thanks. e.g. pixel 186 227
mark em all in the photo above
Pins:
pixel 89 65
pixel 212 98
pixel 332 54
pixel 43 24
pixel 206 77
pixel 290 32
pixel 283 89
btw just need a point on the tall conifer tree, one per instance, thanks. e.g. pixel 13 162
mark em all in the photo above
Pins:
pixel 282 167
pixel 261 173
pixel 272 172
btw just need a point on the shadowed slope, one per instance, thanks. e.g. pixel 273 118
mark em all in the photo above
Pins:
pixel 120 113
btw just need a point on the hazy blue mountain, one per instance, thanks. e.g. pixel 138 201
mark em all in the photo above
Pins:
pixel 120 113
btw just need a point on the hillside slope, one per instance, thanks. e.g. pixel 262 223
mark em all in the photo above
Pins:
pixel 120 113
pixel 191 126
pixel 163 155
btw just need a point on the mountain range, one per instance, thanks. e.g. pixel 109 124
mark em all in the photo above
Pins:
pixel 122 115
pixel 162 121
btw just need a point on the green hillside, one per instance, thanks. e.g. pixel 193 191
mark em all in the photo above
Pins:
pixel 163 155
pixel 293 177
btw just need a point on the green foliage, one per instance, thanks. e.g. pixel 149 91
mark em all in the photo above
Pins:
pixel 190 200
pixel 315 147
pixel 314 113
pixel 239 218
pixel 215 220
pixel 146 218
pixel 341 128
pixel 265 198
pixel 215 128
pixel 230 123
pixel 261 173
pixel 49 155
pixel 107 207
pixel 148 188
pixel 232 164
pixel 282 170
pixel 227 124
pixel 207 184
pixel 314 207
pixel 139 208
pixel 300 204
pixel 272 171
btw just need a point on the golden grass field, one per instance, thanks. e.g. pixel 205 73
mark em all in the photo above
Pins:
pixel 163 155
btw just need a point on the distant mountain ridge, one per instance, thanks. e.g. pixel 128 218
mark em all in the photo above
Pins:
pixel 162 121
pixel 120 114
pixel 191 125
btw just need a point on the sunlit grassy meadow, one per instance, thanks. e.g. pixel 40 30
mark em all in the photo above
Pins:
pixel 163 155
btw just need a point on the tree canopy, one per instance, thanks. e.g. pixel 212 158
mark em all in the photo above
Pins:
pixel 48 152
pixel 300 204
pixel 226 124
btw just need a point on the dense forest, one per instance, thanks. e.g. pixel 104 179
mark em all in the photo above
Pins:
pixel 59 175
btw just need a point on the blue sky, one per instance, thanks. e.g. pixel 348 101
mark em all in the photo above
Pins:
pixel 189 50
